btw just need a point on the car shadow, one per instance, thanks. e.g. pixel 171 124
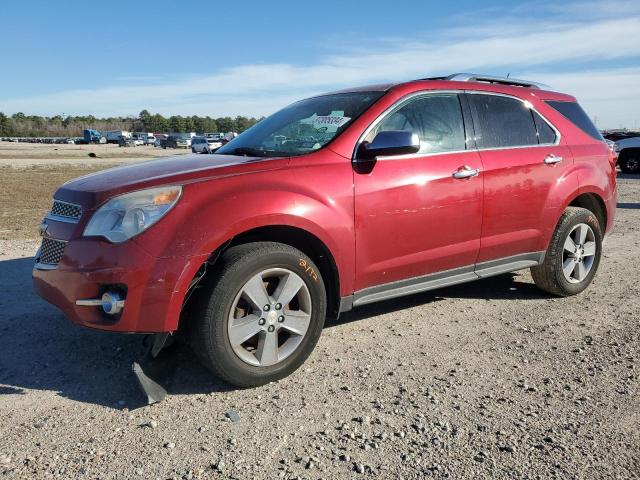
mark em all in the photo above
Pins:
pixel 501 287
pixel 42 350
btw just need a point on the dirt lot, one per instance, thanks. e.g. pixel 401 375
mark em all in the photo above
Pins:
pixel 30 174
pixel 29 154
pixel 486 380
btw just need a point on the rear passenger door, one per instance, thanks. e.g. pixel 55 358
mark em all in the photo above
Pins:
pixel 522 160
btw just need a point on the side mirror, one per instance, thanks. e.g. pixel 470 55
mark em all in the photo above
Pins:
pixel 393 142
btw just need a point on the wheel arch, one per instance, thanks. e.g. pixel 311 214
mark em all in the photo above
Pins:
pixel 296 237
pixel 593 202
pixel 307 243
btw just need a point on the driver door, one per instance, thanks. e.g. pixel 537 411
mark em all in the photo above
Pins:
pixel 413 216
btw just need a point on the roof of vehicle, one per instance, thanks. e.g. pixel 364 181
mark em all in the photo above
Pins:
pixel 470 81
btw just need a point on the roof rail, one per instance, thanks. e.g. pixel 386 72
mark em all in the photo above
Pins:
pixel 474 77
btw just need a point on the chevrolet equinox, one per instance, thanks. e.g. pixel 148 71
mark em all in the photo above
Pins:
pixel 336 201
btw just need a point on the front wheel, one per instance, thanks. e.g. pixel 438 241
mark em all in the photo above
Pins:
pixel 573 256
pixel 262 316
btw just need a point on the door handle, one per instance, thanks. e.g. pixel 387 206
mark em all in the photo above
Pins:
pixel 551 159
pixel 466 172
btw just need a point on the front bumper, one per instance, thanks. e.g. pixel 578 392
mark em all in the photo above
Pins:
pixel 154 288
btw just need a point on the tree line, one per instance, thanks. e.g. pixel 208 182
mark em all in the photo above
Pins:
pixel 21 125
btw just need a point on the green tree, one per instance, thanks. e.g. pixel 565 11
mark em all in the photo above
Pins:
pixel 157 123
pixel 226 124
pixel 145 118
pixel 189 124
pixel 242 123
pixel 4 126
pixel 177 124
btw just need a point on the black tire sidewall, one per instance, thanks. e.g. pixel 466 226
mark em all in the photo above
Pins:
pixel 220 351
pixel 591 220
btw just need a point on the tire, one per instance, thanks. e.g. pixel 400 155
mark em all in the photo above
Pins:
pixel 630 163
pixel 217 328
pixel 193 150
pixel 560 273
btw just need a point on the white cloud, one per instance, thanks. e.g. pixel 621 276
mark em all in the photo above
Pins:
pixel 508 43
pixel 611 97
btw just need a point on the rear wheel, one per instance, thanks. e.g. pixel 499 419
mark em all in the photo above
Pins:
pixel 630 163
pixel 263 314
pixel 573 256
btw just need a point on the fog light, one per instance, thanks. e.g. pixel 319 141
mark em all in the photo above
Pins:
pixel 111 302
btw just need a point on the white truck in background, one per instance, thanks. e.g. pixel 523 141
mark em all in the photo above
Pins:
pixel 113 136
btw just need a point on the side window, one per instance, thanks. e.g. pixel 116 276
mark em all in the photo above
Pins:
pixel 546 134
pixel 502 122
pixel 436 118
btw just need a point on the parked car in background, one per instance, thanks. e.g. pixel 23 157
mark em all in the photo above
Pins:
pixel 160 140
pixel 334 202
pixel 628 150
pixel 216 136
pixel 204 144
pixel 128 141
pixel 178 140
pixel 137 141
pixel 146 138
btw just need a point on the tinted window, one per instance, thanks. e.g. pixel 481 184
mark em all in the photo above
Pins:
pixel 436 118
pixel 546 134
pixel 576 115
pixel 502 122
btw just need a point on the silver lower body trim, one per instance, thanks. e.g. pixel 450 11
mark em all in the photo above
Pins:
pixel 444 279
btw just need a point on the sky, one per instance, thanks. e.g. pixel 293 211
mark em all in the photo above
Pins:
pixel 253 57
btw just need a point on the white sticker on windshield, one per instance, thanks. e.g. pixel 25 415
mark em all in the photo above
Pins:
pixel 330 120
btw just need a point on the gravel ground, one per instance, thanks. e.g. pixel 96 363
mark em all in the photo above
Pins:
pixel 491 379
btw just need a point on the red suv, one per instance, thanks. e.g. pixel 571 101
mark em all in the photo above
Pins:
pixel 333 202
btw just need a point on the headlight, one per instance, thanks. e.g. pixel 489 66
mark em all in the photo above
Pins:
pixel 127 215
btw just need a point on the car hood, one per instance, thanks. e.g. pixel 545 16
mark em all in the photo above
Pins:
pixel 94 189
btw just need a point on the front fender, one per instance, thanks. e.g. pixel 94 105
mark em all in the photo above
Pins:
pixel 315 198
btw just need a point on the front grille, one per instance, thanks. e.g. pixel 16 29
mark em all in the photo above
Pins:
pixel 66 210
pixel 51 251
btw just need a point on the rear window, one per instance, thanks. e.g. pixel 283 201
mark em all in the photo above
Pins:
pixel 576 115
pixel 502 122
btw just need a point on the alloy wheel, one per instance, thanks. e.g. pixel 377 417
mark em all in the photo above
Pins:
pixel 579 253
pixel 269 317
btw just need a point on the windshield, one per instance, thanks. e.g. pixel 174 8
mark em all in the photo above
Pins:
pixel 302 127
